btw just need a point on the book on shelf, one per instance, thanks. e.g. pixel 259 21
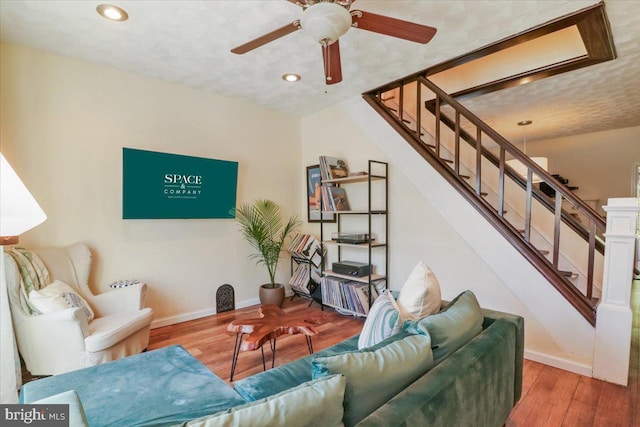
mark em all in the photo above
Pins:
pixel 327 202
pixel 339 199
pixel 334 199
pixel 346 294
pixel 362 291
pixel 333 167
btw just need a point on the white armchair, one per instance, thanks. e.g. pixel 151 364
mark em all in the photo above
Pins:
pixel 65 340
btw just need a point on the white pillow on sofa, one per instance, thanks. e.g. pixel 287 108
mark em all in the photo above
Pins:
pixel 420 295
pixel 59 296
pixel 382 322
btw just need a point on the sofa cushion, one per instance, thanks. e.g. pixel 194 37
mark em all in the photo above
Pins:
pixel 294 373
pixel 453 327
pixel 317 402
pixel 286 376
pixel 157 388
pixel 382 322
pixel 77 417
pixel 472 387
pixel 420 294
pixel 59 296
pixel 376 374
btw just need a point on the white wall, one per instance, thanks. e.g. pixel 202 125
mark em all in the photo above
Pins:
pixel 602 164
pixel 429 221
pixel 64 122
pixel 63 125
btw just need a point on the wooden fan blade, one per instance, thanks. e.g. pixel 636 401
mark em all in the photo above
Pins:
pixel 392 27
pixel 332 66
pixel 302 3
pixel 269 37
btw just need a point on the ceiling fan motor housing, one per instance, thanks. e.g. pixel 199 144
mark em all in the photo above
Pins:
pixel 325 22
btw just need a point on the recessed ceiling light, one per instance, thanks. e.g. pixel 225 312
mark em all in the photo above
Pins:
pixel 290 77
pixel 112 13
pixel 525 123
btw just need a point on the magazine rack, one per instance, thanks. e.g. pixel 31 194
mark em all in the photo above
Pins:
pixel 306 256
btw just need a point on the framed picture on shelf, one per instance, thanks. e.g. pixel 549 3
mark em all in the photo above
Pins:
pixel 313 196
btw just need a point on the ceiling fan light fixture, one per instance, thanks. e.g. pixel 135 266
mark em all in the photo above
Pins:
pixel 291 77
pixel 112 13
pixel 325 22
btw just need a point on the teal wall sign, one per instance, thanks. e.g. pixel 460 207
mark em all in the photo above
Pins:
pixel 161 186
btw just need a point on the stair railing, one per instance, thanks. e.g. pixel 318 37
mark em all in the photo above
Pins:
pixel 583 302
pixel 541 197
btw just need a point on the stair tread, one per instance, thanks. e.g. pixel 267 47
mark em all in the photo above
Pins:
pixel 446 160
pixel 569 274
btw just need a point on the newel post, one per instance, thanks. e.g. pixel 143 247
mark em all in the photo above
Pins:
pixel 614 316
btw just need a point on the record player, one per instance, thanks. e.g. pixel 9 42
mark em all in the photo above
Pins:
pixel 353 238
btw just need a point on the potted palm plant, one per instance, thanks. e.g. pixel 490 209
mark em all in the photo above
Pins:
pixel 262 225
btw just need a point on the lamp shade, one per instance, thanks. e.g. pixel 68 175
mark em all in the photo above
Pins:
pixel 19 211
pixel 325 22
pixel 522 170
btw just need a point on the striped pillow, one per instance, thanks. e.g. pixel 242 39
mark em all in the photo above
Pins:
pixel 383 321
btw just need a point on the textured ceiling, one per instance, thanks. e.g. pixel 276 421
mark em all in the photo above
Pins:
pixel 189 42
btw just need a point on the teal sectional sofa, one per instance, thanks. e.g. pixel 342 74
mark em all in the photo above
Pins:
pixel 477 385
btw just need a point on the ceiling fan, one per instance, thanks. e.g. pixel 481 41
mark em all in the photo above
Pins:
pixel 327 20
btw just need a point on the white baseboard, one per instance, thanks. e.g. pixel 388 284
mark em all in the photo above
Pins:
pixel 179 318
pixel 557 362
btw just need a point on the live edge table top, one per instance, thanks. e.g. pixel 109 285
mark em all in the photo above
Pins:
pixel 272 323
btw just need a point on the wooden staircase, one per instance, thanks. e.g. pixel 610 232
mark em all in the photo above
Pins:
pixel 471 156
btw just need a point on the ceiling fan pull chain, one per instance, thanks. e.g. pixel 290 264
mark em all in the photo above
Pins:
pixel 326 51
pixel 327 62
pixel 327 70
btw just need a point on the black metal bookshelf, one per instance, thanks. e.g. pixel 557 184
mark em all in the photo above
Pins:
pixel 377 172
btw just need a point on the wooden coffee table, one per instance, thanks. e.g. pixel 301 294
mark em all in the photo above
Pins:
pixel 253 332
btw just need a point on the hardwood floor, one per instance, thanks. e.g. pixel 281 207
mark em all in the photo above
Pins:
pixel 550 397
pixel 208 340
pixel 553 397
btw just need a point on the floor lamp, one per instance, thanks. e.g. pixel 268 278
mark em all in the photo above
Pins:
pixel 19 212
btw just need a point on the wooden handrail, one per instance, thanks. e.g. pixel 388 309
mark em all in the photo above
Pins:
pixel 521 182
pixel 583 303
pixel 516 153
